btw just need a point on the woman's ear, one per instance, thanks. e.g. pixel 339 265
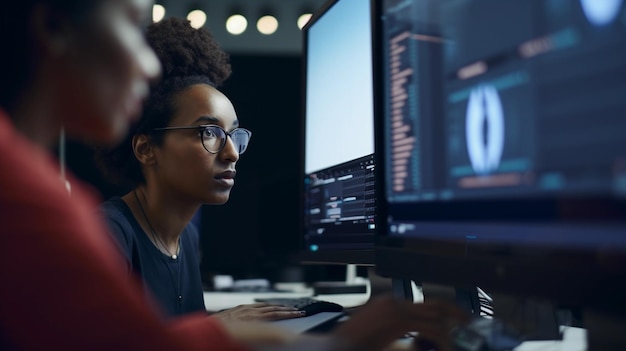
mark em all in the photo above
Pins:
pixel 143 149
pixel 52 30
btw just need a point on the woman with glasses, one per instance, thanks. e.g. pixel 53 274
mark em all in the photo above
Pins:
pixel 182 154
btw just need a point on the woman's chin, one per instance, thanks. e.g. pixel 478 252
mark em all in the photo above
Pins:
pixel 218 199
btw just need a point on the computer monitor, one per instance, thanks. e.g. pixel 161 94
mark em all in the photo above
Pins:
pixel 501 146
pixel 338 202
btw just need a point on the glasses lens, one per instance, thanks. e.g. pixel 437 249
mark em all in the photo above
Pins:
pixel 241 138
pixel 213 138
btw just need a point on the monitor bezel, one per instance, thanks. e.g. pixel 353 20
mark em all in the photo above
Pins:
pixel 361 257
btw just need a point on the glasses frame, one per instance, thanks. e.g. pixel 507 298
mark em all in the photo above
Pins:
pixel 201 129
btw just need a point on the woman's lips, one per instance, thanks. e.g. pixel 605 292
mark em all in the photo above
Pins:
pixel 226 181
pixel 227 178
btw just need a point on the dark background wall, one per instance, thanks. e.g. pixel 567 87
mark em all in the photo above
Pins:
pixel 259 223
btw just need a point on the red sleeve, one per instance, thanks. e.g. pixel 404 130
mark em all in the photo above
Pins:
pixel 63 285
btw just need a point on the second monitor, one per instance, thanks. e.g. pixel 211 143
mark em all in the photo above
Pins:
pixel 337 171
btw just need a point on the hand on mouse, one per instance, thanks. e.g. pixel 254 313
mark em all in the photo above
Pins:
pixel 258 312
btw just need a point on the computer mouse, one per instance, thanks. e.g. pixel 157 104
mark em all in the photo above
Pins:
pixel 320 306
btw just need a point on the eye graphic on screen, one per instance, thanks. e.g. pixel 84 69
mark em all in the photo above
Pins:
pixel 601 12
pixel 484 129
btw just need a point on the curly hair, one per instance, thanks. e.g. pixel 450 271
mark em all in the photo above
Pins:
pixel 185 51
pixel 188 57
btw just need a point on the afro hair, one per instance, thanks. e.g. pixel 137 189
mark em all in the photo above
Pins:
pixel 185 51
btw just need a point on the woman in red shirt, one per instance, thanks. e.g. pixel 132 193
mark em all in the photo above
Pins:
pixel 83 66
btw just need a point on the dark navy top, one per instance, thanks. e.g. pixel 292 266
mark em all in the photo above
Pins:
pixel 175 283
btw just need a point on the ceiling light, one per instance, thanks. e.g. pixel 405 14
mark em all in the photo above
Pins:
pixel 236 24
pixel 158 12
pixel 267 25
pixel 303 19
pixel 197 18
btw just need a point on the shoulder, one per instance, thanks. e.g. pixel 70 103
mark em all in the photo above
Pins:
pixel 191 234
pixel 119 218
pixel 115 208
pixel 31 186
pixel 29 174
pixel 35 201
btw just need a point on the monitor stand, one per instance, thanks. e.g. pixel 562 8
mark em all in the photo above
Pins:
pixel 379 286
pixel 350 286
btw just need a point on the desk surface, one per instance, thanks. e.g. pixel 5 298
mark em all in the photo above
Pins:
pixel 574 339
pixel 215 301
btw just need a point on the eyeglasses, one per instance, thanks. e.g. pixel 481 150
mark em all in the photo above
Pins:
pixel 213 137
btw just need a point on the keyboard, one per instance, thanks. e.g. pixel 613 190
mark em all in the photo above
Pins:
pixel 307 304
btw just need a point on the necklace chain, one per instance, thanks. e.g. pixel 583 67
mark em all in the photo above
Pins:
pixel 157 240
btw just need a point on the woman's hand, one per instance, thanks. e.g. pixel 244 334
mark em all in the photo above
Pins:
pixel 374 326
pixel 258 312
pixel 383 320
